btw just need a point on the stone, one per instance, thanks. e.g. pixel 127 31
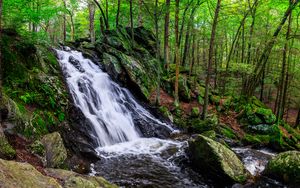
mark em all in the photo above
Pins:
pixel 217 161
pixel 6 150
pixel 285 167
pixel 55 150
pixel 74 180
pixel 23 175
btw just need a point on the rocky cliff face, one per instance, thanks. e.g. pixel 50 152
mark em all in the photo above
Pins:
pixel 130 63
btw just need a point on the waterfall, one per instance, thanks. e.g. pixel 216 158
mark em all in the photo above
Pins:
pixel 109 107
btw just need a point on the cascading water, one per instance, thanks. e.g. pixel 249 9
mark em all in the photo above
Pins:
pixel 128 158
pixel 121 126
pixel 108 106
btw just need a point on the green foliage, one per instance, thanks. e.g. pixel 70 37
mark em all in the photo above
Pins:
pixel 35 86
pixel 6 150
pixel 228 132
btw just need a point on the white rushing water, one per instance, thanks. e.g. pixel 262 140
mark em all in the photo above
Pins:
pixel 108 106
pixel 255 161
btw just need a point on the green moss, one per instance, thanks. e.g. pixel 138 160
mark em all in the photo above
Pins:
pixel 35 86
pixel 37 148
pixel 256 139
pixel 195 112
pixel 228 132
pixel 286 167
pixel 210 134
pixel 215 99
pixel 200 126
pixel 6 150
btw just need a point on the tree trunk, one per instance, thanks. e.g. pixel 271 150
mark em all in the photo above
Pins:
pixel 118 13
pixel 103 14
pixel 1 66
pixel 177 58
pixel 187 35
pixel 156 17
pixel 284 71
pixel 297 124
pixel 210 58
pixel 253 80
pixel 253 14
pixel 92 19
pixel 65 23
pixel 140 16
pixel 72 28
pixel 166 37
pixel 131 22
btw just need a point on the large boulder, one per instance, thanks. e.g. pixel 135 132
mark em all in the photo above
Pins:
pixel 23 175
pixel 216 161
pixel 285 167
pixel 74 180
pixel 55 151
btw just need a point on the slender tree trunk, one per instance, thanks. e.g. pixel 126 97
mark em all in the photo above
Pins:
pixel 106 11
pixel 166 37
pixel 65 23
pixel 118 13
pixel 193 54
pixel 103 14
pixel 72 28
pixel 92 19
pixel 261 97
pixel 140 16
pixel 210 58
pixel 131 21
pixel 183 22
pixel 187 35
pixel 177 58
pixel 253 14
pixel 156 17
pixel 253 81
pixel 297 124
pixel 1 66
pixel 101 25
pixel 282 84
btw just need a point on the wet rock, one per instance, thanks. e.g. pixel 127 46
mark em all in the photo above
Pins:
pixel 55 150
pixel 216 161
pixel 79 135
pixel 285 167
pixel 73 180
pixel 23 175
pixel 76 63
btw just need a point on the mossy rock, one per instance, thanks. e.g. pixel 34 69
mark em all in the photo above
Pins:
pixel 217 161
pixel 257 140
pixel 262 129
pixel 285 167
pixel 38 148
pixel 23 175
pixel 215 99
pixel 6 150
pixel 228 132
pixel 195 112
pixel 200 126
pixel 74 180
pixel 210 134
pixel 55 150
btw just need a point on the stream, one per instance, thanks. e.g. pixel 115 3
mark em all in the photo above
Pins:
pixel 133 145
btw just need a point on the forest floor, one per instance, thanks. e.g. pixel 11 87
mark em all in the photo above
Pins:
pixel 23 153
